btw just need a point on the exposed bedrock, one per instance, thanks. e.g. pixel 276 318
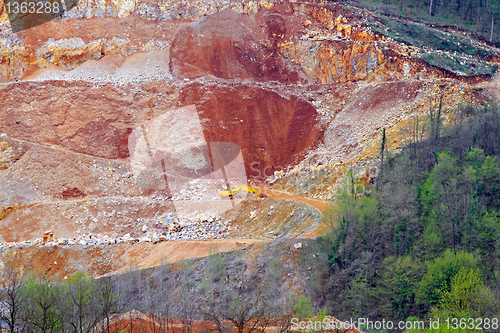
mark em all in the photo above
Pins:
pixel 272 131
pixel 230 45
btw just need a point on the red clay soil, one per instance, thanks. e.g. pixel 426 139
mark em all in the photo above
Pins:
pixel 76 116
pixel 230 45
pixel 136 322
pixel 139 30
pixel 272 131
pixel 59 261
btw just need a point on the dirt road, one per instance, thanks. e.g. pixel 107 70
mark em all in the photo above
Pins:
pixel 322 206
pixel 492 87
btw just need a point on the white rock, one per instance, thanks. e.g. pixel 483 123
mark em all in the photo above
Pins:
pixel 297 245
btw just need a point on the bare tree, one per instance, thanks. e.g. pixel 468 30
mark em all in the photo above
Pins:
pixel 107 300
pixel 164 294
pixel 11 298
pixel 187 297
pixel 383 147
pixel 240 299
pixel 247 315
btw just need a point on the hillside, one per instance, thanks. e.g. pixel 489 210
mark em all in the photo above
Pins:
pixel 121 121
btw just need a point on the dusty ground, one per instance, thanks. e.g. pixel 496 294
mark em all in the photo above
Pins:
pixel 492 87
pixel 63 261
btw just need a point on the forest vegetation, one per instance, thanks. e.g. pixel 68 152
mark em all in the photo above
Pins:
pixel 426 242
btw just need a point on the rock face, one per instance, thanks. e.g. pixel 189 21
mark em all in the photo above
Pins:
pixel 7 155
pixel 89 119
pixel 230 45
pixel 284 41
pixel 336 61
pixel 272 131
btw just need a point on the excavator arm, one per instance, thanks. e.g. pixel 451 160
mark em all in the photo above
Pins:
pixel 236 189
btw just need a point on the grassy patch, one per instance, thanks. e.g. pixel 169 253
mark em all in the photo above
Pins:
pixel 422 36
pixel 434 39
pixel 460 65
pixel 446 14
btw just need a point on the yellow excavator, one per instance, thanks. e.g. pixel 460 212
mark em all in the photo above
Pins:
pixel 234 190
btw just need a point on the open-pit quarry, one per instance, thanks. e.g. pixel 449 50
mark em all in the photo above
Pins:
pixel 109 116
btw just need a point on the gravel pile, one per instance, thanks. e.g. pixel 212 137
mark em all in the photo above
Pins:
pixel 201 190
pixel 209 229
pixel 139 67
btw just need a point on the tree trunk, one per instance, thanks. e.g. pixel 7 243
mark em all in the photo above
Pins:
pixel 492 22
pixel 382 151
pixel 431 8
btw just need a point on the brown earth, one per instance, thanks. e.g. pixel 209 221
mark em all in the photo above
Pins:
pixel 272 131
pixel 320 205
pixel 492 87
pixel 77 162
pixel 79 116
pixel 231 45
pixel 61 261
pixel 323 207
pixel 256 119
